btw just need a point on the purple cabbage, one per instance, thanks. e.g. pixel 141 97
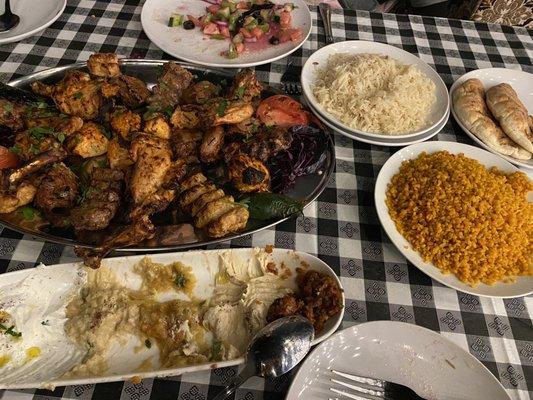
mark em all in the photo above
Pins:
pixel 305 156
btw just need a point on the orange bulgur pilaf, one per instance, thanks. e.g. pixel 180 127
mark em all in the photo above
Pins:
pixel 464 218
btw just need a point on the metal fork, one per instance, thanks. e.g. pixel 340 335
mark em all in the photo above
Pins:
pixel 370 388
pixel 290 80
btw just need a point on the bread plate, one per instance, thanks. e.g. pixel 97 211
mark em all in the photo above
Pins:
pixel 40 316
pixel 523 285
pixel 319 59
pixel 522 83
pixel 194 47
pixel 383 140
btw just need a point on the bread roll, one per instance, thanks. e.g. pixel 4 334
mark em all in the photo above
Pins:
pixel 504 104
pixel 470 108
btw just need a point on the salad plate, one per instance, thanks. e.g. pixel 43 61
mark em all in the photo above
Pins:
pixel 194 46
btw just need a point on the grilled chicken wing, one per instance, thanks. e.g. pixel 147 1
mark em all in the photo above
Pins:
pixel 152 158
pixel 89 141
pixel 101 201
pixel 77 94
pixel 23 194
pixel 39 162
pixel 58 188
pixel 125 122
pixel 104 65
pixel 245 86
pixel 211 147
pixel 248 174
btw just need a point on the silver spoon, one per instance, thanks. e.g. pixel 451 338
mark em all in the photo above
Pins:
pixel 325 13
pixel 274 350
pixel 8 20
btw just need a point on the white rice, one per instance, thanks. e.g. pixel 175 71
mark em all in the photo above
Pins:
pixel 375 93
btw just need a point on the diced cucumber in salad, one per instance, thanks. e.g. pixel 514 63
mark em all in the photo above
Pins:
pixel 242 23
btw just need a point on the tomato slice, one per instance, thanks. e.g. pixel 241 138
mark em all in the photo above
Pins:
pixel 8 159
pixel 283 111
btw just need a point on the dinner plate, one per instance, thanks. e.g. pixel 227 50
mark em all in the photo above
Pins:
pixel 307 188
pixel 193 46
pixel 319 59
pixel 423 360
pixel 523 285
pixel 126 357
pixel 383 140
pixel 522 83
pixel 34 17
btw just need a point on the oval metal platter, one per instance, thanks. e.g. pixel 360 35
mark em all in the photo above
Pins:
pixel 307 188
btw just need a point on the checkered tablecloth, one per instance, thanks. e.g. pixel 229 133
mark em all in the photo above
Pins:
pixel 341 227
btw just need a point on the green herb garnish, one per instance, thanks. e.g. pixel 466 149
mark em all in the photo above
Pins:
pixel 180 280
pixel 85 192
pixel 222 107
pixel 240 92
pixel 267 206
pixel 40 132
pixel 28 213
pixel 107 133
pixel 15 149
pixel 10 331
pixel 78 95
pixel 60 136
pixel 8 107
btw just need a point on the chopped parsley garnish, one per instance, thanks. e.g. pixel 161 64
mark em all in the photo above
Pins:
pixel 169 111
pixel 10 331
pixel 39 132
pixel 28 213
pixel 107 133
pixel 254 128
pixel 15 149
pixel 180 280
pixel 85 192
pixel 8 107
pixel 60 136
pixel 78 95
pixel 147 343
pixel 240 92
pixel 35 149
pixel 40 104
pixel 223 83
pixel 222 107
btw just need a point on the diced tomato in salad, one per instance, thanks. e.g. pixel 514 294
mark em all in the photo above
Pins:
pixel 243 22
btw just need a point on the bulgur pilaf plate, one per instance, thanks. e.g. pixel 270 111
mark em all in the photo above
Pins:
pixel 522 285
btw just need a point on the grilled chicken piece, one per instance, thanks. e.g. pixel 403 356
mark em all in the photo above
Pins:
pixel 184 118
pixel 118 156
pixel 104 65
pixel 152 158
pixel 101 201
pixel 213 210
pixel 129 235
pixel 12 114
pixel 157 202
pixel 261 146
pixel 204 199
pixel 157 126
pixel 28 146
pixel 125 122
pixel 77 94
pixel 58 188
pixel 200 92
pixel 245 86
pixel 172 83
pixel 248 174
pixel 185 142
pixel 89 141
pixel 23 194
pixel 132 91
pixel 190 195
pixel 247 127
pixel 234 113
pixel 193 180
pixel 59 124
pixel 39 162
pixel 211 147
pixel 232 221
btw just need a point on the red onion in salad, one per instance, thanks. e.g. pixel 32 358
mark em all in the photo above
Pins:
pixel 250 40
pixel 221 23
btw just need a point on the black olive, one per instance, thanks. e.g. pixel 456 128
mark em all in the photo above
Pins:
pixel 274 40
pixel 188 25
pixel 259 20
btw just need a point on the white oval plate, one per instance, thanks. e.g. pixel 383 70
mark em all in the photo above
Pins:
pixel 523 285
pixel 320 58
pixel 124 360
pixel 34 17
pixel 384 140
pixel 522 83
pixel 193 46
pixel 410 355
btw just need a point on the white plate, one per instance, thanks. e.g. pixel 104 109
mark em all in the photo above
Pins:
pixel 320 58
pixel 124 360
pixel 522 83
pixel 194 47
pixel 34 17
pixel 523 285
pixel 383 140
pixel 398 352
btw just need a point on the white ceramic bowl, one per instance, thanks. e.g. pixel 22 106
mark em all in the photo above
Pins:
pixel 421 359
pixel 193 46
pixel 522 83
pixel 523 285
pixel 319 60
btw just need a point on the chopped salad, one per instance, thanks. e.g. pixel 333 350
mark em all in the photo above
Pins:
pixel 243 23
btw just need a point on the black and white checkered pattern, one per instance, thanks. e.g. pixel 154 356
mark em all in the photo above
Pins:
pixel 342 226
